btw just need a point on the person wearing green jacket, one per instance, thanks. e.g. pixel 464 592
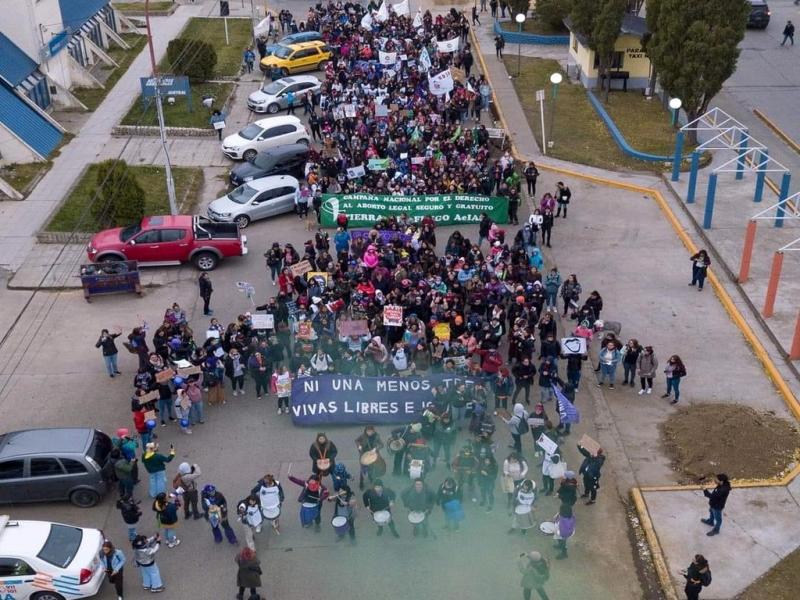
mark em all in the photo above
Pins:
pixel 156 465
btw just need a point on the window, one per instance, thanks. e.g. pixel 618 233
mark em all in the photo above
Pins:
pixel 61 545
pixel 617 60
pixel 45 467
pixel 172 235
pixel 73 467
pixel 304 53
pixel 149 237
pixel 14 567
pixel 11 469
pixel 278 131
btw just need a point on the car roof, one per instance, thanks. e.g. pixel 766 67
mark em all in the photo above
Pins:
pixel 22 537
pixel 49 441
pixel 167 221
pixel 273 121
pixel 285 149
pixel 301 45
pixel 300 79
pixel 271 181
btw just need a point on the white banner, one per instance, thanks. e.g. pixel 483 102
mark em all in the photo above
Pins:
pixel 263 27
pixel 441 84
pixel 404 8
pixel 356 172
pixel 387 58
pixel 418 19
pixel 383 12
pixel 448 45
pixel 424 60
pixel 366 21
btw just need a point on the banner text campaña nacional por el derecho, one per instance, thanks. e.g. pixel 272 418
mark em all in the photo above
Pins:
pixel 446 209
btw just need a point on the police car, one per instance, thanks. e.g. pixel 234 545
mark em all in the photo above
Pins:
pixel 40 560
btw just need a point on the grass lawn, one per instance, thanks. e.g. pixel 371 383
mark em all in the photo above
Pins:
pixel 580 134
pixel 212 30
pixel 177 115
pixel 92 97
pixel 188 181
pixel 531 26
pixel 139 6
pixel 21 175
pixel 780 583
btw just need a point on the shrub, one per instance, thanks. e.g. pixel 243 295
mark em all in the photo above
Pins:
pixel 120 198
pixel 192 57
pixel 553 12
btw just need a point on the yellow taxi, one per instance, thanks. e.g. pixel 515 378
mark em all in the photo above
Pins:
pixel 293 58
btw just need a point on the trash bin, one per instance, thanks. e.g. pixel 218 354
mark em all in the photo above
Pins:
pixel 224 8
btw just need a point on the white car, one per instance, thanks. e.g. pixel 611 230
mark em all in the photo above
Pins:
pixel 257 199
pixel 40 560
pixel 264 134
pixel 271 97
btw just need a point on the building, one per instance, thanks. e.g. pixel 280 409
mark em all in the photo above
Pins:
pixel 47 48
pixel 630 67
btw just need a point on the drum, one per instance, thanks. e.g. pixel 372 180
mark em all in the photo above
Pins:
pixel 453 511
pixel 522 509
pixel 396 445
pixel 415 468
pixel 415 518
pixel 548 527
pixel 340 525
pixel 308 513
pixel 323 464
pixel 369 457
pixel 382 517
pixel 271 512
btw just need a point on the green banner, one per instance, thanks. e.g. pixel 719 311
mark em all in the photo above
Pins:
pixel 363 210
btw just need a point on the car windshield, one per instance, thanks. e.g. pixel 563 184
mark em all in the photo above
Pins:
pixel 242 194
pixel 61 546
pixel 129 232
pixel 250 132
pixel 273 88
pixel 100 448
pixel 283 51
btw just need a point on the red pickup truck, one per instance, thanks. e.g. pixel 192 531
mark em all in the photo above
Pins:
pixel 170 240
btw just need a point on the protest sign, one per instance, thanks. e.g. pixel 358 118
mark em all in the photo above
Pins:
pixel 186 371
pixel 589 444
pixel 448 45
pixel 441 83
pixel 573 345
pixel 546 444
pixel 212 333
pixel 386 235
pixel 291 308
pixel 301 268
pixel 356 327
pixel 164 376
pixel 263 321
pixel 319 275
pixel 356 172
pixel 459 75
pixel 304 330
pixel 393 315
pixel 387 58
pixel 149 397
pixel 442 331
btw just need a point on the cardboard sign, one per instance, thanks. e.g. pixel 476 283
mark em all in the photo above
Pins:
pixel 193 370
pixel 546 444
pixel 534 422
pixel 323 275
pixel 301 268
pixel 150 415
pixel 164 376
pixel 304 330
pixel 261 321
pixel 149 397
pixel 459 75
pixel 358 327
pixel 212 333
pixel 589 444
pixel 458 361
pixel 393 315
pixel 442 331
pixel 219 125
pixel 573 345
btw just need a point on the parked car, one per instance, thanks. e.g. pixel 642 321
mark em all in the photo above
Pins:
pixel 169 240
pixel 271 97
pixel 40 465
pixel 40 560
pixel 263 134
pixel 294 38
pixel 759 14
pixel 283 160
pixel 257 199
pixel 308 56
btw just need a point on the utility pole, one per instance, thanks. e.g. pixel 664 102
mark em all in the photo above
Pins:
pixel 173 205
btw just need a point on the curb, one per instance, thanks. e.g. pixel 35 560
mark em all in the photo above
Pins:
pixel 777 130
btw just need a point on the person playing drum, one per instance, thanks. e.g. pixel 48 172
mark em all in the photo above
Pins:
pixel 369 444
pixel 310 500
pixel 379 501
pixel 418 450
pixel 323 455
pixel 524 496
pixel 270 495
pixel 344 507
pixel 419 500
pixel 398 445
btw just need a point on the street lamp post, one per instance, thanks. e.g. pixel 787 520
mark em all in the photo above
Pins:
pixel 520 19
pixel 555 79
pixel 675 104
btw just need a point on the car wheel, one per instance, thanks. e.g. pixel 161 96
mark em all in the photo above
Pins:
pixel 303 141
pixel 206 261
pixel 249 155
pixel 109 258
pixel 285 72
pixel 47 596
pixel 273 108
pixel 84 498
pixel 321 65
pixel 242 221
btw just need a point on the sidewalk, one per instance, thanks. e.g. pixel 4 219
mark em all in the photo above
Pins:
pixel 19 221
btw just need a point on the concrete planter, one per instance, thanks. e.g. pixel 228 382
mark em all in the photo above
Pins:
pixel 152 131
pixel 515 37
pixel 63 237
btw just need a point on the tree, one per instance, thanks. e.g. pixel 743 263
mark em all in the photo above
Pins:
pixel 553 12
pixel 694 48
pixel 604 35
pixel 120 198
pixel 191 57
pixel 519 6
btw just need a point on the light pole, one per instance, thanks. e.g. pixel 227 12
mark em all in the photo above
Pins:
pixel 675 104
pixel 520 19
pixel 555 79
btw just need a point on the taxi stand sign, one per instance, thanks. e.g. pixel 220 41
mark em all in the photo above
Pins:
pixel 169 85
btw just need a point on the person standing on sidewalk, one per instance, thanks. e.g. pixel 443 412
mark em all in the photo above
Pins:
pixel 206 289
pixel 646 367
pixel 700 264
pixel 788 32
pixel 590 469
pixel 249 58
pixel 475 19
pixel 114 562
pixel 110 352
pixel 217 121
pixel 156 466
pixel 499 44
pixel 716 503
pixel 290 96
pixel 483 5
pixel 563 195
pixel 674 372
pixel 697 576
pixel 493 5
pixel 531 175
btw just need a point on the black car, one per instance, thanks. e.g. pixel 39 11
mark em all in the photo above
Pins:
pixel 759 14
pixel 283 160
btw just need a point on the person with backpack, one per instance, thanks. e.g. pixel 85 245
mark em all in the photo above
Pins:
pixel 716 502
pixel 535 573
pixel 698 576
pixel 186 480
pixel 129 508
pixel 248 574
pixel 675 370
pixel 517 425
pixel 166 511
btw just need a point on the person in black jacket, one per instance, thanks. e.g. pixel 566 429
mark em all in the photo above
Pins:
pixel 523 379
pixel 547 227
pixel 698 575
pixel 483 228
pixel 716 502
pixel 129 508
pixel 563 194
pixel 419 498
pixel 106 342
pixel 590 469
pixel 377 499
pixel 205 293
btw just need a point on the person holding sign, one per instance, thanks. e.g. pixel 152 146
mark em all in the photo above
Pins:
pixel 590 469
